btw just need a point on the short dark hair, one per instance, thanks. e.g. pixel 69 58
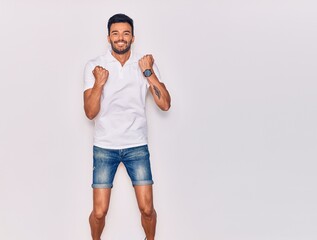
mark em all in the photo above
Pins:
pixel 120 18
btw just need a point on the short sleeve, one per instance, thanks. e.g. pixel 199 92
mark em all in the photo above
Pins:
pixel 89 78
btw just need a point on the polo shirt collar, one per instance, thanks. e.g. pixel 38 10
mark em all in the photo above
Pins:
pixel 110 58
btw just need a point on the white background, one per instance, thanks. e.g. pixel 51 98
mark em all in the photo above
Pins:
pixel 233 159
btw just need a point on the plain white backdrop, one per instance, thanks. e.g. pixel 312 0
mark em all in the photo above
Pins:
pixel 233 159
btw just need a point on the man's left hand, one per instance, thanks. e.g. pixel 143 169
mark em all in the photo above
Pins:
pixel 146 62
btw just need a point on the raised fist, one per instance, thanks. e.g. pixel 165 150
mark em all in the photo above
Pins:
pixel 146 62
pixel 101 76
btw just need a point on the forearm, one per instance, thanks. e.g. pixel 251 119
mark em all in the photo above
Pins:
pixel 92 102
pixel 160 93
pixel 158 89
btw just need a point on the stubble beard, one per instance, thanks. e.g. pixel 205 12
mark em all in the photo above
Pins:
pixel 123 51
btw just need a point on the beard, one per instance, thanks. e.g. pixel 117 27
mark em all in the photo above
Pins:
pixel 123 51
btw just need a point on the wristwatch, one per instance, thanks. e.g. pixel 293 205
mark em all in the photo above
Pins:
pixel 147 73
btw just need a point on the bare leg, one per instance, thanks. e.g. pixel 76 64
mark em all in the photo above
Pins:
pixel 144 195
pixel 101 198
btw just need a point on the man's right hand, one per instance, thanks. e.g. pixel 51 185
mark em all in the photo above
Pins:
pixel 101 76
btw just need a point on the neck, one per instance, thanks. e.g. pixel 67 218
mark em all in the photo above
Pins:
pixel 122 58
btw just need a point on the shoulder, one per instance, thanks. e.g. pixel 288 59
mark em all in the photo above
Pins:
pixel 97 60
pixel 135 57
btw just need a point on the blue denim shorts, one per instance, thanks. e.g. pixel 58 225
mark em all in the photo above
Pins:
pixel 136 161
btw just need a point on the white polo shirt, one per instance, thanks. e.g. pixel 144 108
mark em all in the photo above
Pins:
pixel 121 121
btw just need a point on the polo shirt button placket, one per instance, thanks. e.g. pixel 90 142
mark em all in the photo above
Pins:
pixel 121 72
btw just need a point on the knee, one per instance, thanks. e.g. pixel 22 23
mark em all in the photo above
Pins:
pixel 99 214
pixel 147 211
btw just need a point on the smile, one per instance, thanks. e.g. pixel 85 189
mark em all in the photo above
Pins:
pixel 121 43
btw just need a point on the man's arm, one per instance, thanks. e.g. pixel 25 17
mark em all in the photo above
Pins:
pixel 161 96
pixel 92 96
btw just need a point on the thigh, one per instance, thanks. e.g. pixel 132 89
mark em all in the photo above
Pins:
pixel 106 163
pixel 137 162
pixel 144 196
pixel 101 200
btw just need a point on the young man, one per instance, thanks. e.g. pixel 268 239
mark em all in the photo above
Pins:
pixel 115 88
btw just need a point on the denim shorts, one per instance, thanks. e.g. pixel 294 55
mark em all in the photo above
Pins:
pixel 136 161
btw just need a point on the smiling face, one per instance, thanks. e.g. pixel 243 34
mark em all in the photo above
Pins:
pixel 120 37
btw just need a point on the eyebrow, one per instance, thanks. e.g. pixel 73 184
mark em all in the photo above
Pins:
pixel 126 31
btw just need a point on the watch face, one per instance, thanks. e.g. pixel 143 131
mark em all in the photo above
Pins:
pixel 147 73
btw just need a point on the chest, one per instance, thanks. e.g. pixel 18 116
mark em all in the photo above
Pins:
pixel 124 81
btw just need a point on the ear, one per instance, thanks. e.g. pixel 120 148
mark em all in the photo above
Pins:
pixel 132 39
pixel 108 37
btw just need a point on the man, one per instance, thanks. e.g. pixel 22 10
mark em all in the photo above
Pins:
pixel 115 88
